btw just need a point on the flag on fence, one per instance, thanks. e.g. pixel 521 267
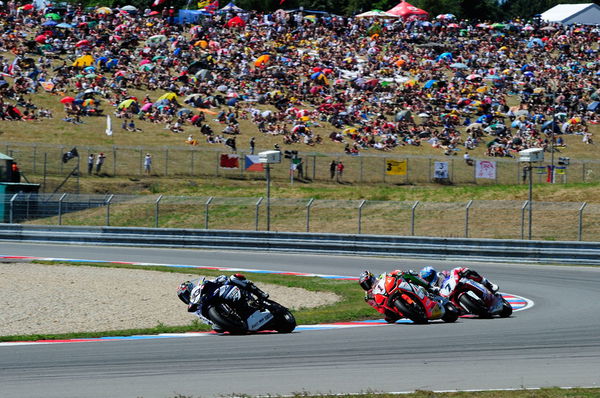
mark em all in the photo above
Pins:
pixel 395 167
pixel 70 155
pixel 202 4
pixel 252 163
pixel 561 170
pixel 211 7
pixel 440 170
pixel 485 169
pixel 229 161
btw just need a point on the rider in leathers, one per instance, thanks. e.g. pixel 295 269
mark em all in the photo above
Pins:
pixel 198 296
pixel 436 279
pixel 374 286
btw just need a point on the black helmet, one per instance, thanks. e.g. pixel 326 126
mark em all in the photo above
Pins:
pixel 184 290
pixel 366 280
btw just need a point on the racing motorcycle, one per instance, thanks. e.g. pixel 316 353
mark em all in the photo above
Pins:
pixel 411 301
pixel 474 298
pixel 239 311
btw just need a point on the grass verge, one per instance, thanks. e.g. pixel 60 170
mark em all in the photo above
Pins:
pixel 350 307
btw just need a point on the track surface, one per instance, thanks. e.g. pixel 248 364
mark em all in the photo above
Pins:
pixel 555 343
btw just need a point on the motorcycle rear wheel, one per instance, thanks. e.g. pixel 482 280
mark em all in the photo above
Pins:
pixel 227 319
pixel 475 307
pixel 415 311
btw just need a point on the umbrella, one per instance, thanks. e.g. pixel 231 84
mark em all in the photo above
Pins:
pixel 430 83
pixel 161 102
pixel 41 38
pixel 126 104
pixel 191 97
pixel 459 65
pixel 473 76
pixel 89 69
pixel 103 10
pixel 88 102
pixel 65 25
pixel 82 43
pixel 156 39
pixel 474 126
pixel 50 23
pixel 129 8
pixel 54 16
pixel 147 67
pixel 66 100
pixel 184 111
pixel 145 61
pixel 91 76
pixel 167 96
pixel 27 7
pixel 262 60
pixel 147 107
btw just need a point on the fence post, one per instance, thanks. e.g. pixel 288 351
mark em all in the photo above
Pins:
pixel 523 219
pixel 310 202
pixel 467 218
pixel 258 202
pixel 412 217
pixel 114 161
pixel 110 198
pixel 45 171
pixel 580 235
pixel 12 207
pixel 156 211
pixel 206 212
pixel 362 203
pixel 60 208
pixel 166 161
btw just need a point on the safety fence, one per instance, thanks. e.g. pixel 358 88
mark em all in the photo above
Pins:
pixel 495 219
pixel 41 160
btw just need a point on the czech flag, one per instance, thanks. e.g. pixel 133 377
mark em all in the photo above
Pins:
pixel 229 161
pixel 252 163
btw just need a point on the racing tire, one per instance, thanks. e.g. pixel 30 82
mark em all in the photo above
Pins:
pixel 284 321
pixel 452 313
pixel 473 306
pixel 507 309
pixel 415 311
pixel 226 319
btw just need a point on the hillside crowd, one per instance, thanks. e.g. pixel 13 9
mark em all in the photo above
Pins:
pixel 371 83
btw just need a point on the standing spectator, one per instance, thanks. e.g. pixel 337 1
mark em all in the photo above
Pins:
pixel 332 168
pixel 148 164
pixel 252 145
pixel 100 162
pixel 90 163
pixel 340 171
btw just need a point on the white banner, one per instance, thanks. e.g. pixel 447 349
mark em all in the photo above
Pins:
pixel 440 170
pixel 485 169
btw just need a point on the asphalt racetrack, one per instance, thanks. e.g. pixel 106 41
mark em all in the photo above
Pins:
pixel 554 343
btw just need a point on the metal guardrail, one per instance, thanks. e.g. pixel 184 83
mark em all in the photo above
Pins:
pixel 381 245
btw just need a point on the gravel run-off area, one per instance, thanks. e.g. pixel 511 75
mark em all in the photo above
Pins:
pixel 54 299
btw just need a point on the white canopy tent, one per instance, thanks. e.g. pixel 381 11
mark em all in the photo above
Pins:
pixel 568 14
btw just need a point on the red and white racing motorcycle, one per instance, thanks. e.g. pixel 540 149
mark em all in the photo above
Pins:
pixel 474 298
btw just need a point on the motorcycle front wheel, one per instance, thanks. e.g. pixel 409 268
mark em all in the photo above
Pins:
pixel 413 311
pixel 227 319
pixel 507 309
pixel 284 321
pixel 451 314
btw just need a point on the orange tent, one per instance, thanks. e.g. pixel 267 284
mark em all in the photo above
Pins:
pixel 262 60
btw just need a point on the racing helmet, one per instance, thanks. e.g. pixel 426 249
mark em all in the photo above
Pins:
pixel 429 274
pixel 366 280
pixel 184 290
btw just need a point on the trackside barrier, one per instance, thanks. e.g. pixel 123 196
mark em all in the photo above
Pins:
pixel 570 252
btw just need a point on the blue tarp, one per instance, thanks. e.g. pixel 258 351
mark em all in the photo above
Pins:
pixel 191 16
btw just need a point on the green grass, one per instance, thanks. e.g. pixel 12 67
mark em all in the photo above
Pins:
pixel 350 307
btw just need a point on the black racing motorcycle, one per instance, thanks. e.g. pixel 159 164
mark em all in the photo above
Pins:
pixel 238 311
